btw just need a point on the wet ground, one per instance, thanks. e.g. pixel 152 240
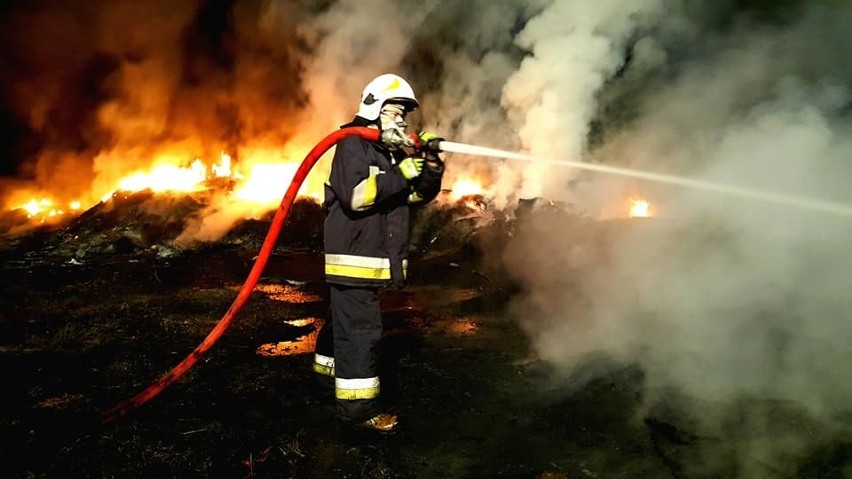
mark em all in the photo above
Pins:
pixel 77 337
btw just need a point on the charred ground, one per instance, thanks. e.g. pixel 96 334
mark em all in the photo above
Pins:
pixel 97 309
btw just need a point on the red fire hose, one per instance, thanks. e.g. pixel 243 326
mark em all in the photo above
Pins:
pixel 310 160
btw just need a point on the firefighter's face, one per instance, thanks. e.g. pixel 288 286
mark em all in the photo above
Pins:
pixel 393 116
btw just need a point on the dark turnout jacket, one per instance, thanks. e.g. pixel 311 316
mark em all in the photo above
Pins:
pixel 367 201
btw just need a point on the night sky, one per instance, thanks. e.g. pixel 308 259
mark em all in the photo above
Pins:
pixel 17 139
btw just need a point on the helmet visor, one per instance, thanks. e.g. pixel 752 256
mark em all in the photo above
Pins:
pixel 407 103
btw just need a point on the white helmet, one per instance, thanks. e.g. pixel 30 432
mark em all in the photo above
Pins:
pixel 382 89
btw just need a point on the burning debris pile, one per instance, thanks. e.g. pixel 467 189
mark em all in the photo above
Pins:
pixel 125 223
pixel 449 224
pixel 146 223
pixel 151 224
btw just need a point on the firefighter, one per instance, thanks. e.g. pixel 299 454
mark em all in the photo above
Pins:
pixel 368 194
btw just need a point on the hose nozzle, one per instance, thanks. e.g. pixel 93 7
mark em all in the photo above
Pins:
pixel 434 145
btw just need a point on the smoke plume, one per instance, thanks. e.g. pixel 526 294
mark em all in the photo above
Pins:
pixel 740 309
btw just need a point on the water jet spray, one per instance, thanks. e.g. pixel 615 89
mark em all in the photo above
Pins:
pixel 754 194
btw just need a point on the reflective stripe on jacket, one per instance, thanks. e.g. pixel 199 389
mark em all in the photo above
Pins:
pixel 367 201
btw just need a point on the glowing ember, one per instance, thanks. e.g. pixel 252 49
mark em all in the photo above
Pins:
pixel 462 327
pixel 301 322
pixel 639 208
pixel 465 187
pixel 285 293
pixel 475 203
pixel 304 345
pixel 301 345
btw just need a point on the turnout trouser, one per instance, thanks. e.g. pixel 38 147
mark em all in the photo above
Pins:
pixel 347 349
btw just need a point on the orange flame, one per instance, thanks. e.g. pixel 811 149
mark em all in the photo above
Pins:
pixel 43 209
pixel 465 186
pixel 256 183
pixel 35 207
pixel 266 183
pixel 223 168
pixel 267 176
pixel 166 177
pixel 639 208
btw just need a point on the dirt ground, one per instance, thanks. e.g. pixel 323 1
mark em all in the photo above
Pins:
pixel 77 337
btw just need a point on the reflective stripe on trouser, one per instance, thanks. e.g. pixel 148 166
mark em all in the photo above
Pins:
pixel 357 326
pixel 323 365
pixel 366 388
pixel 324 350
pixel 360 267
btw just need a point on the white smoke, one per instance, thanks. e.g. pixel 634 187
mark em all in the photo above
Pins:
pixel 732 304
pixel 351 43
pixel 574 48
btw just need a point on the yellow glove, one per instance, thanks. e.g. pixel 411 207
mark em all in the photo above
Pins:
pixel 429 141
pixel 410 168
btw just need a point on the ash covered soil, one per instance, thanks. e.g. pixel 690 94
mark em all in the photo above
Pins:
pixel 95 311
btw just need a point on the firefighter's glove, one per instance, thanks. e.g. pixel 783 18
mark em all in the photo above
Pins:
pixel 429 142
pixel 411 168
